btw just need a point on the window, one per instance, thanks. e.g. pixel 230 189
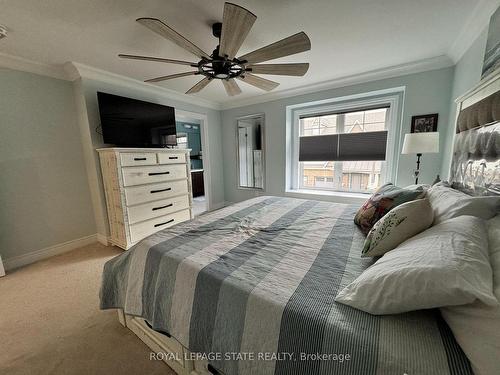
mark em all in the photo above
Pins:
pixel 338 173
pixel 343 144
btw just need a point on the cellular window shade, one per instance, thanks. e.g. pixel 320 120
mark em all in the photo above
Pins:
pixel 319 148
pixel 362 146
pixel 344 147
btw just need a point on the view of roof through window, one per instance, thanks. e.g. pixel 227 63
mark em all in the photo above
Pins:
pixel 356 175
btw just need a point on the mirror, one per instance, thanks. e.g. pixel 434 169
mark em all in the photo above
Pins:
pixel 250 142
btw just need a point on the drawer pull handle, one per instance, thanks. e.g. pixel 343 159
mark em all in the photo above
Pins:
pixel 173 157
pixel 139 159
pixel 162 207
pixel 160 190
pixel 157 173
pixel 166 222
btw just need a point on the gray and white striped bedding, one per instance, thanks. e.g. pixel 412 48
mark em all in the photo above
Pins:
pixel 260 278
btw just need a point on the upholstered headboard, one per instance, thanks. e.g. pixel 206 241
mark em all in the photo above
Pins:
pixel 475 166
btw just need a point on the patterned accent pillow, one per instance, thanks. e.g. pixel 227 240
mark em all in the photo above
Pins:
pixel 398 225
pixel 382 201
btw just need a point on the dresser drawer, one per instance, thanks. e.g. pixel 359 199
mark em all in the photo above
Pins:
pixel 147 175
pixel 157 208
pixel 148 193
pixel 140 230
pixel 128 159
pixel 169 158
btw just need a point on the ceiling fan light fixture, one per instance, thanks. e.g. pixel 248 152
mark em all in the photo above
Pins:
pixel 220 68
pixel 223 64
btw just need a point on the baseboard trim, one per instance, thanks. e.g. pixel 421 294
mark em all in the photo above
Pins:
pixel 216 206
pixel 2 270
pixel 34 256
pixel 103 239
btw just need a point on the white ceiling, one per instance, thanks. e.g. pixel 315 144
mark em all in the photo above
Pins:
pixel 348 36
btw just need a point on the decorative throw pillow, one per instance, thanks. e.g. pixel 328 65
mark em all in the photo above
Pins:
pixel 448 203
pixel 381 202
pixel 398 225
pixel 446 265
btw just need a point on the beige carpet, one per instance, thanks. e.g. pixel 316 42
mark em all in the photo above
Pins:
pixel 50 322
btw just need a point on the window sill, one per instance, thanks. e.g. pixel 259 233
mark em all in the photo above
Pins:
pixel 333 196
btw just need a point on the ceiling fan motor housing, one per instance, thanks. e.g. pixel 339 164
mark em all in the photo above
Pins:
pixel 220 67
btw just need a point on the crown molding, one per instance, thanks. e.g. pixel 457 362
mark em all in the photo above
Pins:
pixel 74 71
pixel 478 20
pixel 30 66
pixel 418 66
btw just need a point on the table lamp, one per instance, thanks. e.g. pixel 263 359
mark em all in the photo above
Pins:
pixel 420 143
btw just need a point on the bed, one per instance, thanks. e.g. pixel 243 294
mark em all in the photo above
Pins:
pixel 259 278
pixel 250 288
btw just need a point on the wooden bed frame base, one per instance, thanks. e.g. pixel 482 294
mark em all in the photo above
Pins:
pixel 164 348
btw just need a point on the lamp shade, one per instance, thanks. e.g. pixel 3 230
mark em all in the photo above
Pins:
pixel 421 143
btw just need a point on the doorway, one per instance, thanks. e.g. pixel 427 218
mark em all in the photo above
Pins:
pixel 192 134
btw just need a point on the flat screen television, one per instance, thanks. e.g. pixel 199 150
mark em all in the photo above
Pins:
pixel 134 123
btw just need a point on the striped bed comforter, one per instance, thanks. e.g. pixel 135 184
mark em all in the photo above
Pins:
pixel 259 278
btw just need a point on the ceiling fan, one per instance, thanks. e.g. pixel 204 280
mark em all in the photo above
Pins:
pixel 222 63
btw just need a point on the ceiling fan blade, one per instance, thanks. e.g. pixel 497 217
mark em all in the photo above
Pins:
pixel 236 24
pixel 231 87
pixel 259 82
pixel 171 76
pixel 157 59
pixel 289 46
pixel 298 69
pixel 199 86
pixel 167 32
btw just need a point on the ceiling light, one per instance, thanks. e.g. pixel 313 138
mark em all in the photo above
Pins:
pixel 223 64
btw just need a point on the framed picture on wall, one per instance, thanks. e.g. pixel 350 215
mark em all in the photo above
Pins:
pixel 424 123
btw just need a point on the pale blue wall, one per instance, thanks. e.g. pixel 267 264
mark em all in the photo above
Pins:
pixel 44 191
pixel 467 75
pixel 194 142
pixel 427 92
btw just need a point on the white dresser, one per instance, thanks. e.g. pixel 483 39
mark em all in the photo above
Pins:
pixel 147 190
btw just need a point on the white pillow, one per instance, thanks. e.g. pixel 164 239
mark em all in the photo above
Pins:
pixel 448 203
pixel 399 224
pixel 494 247
pixel 443 266
pixel 424 187
pixel 476 326
pixel 494 251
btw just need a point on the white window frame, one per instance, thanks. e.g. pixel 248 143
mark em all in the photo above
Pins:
pixel 393 97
